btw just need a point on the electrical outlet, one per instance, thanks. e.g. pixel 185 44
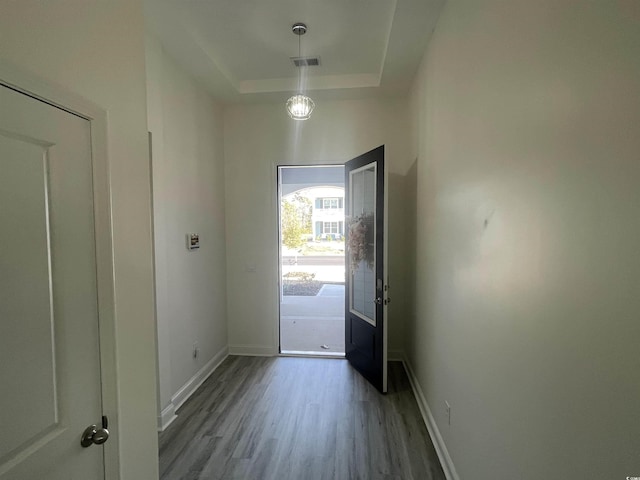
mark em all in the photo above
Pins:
pixel 448 412
pixel 196 350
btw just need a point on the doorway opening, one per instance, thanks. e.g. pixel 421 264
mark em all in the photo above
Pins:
pixel 311 250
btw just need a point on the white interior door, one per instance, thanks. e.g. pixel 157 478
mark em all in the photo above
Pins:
pixel 49 346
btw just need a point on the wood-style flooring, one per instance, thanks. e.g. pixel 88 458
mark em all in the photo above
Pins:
pixel 268 418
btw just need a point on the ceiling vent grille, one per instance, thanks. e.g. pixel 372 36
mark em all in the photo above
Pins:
pixel 306 61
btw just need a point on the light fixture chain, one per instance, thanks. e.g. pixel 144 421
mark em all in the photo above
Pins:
pixel 299 107
pixel 299 68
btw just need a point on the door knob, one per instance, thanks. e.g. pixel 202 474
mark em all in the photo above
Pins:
pixel 378 301
pixel 94 436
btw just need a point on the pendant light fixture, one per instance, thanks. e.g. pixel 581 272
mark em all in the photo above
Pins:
pixel 299 107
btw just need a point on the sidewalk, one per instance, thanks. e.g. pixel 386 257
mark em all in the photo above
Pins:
pixel 307 323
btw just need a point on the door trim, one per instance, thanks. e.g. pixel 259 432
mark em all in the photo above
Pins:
pixel 27 83
pixel 276 208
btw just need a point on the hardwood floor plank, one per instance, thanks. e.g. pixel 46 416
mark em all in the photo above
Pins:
pixel 273 418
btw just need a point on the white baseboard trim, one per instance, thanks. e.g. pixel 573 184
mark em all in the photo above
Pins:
pixel 198 379
pixel 252 351
pixel 168 415
pixel 441 449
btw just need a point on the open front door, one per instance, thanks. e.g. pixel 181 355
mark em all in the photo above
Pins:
pixel 365 306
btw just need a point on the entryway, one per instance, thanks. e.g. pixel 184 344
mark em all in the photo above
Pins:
pixel 312 232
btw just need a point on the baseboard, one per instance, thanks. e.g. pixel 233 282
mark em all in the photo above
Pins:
pixel 183 394
pixel 166 417
pixel 441 449
pixel 252 351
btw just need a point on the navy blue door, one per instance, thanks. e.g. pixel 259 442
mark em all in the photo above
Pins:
pixel 365 329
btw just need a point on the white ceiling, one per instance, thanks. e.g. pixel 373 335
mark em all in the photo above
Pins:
pixel 241 49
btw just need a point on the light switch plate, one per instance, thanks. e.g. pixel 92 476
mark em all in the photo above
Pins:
pixel 193 241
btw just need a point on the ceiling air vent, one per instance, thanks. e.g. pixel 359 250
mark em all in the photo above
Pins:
pixel 306 61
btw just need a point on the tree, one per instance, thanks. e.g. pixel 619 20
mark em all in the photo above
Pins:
pixel 305 209
pixel 292 225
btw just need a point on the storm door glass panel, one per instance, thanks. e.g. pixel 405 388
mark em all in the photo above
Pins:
pixel 361 244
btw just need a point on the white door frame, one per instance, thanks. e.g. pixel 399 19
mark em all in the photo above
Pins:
pixel 25 82
pixel 275 210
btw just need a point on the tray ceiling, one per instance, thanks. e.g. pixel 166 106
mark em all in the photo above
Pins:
pixel 241 49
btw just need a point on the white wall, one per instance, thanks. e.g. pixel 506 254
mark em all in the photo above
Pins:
pixel 188 196
pixel 95 49
pixel 257 139
pixel 528 271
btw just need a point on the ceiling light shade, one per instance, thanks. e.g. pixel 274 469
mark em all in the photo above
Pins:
pixel 299 107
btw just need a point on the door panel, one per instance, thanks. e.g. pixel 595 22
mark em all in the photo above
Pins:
pixel 365 324
pixel 49 350
pixel 26 304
